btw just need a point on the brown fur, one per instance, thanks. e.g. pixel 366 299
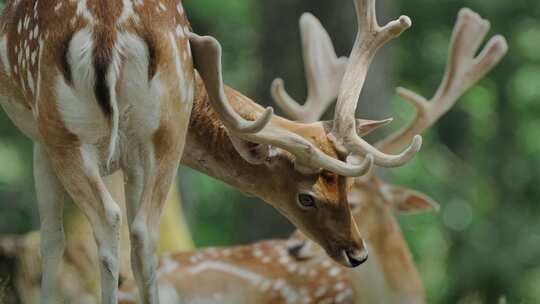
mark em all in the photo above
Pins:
pixel 38 39
pixel 209 150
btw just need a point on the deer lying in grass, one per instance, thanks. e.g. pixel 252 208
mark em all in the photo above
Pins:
pixel 297 270
pixel 102 85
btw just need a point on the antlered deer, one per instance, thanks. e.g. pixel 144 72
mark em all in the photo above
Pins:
pixel 297 270
pixel 102 85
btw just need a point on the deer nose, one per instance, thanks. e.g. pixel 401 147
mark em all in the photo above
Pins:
pixel 356 257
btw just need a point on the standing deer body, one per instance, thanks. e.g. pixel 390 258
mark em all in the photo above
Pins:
pixel 297 270
pixel 101 86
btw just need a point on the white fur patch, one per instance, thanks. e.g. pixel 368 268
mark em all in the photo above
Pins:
pixel 78 107
pixel 137 99
pixel 81 116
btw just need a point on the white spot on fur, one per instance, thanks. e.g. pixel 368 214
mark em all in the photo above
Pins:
pixel 251 277
pixel 58 6
pixel 30 79
pixel 83 11
pixel 342 296
pixel 180 8
pixel 127 11
pixel 35 32
pixel 179 68
pixel 339 286
pixel 335 271
pixel 257 253
pixel 292 268
pixel 169 265
pixel 26 22
pixel 38 84
pixel 162 6
pixel 4 55
pixel 180 31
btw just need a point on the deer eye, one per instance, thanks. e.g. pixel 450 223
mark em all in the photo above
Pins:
pixel 306 200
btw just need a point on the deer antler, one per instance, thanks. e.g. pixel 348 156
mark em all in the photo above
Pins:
pixel 462 72
pixel 324 73
pixel 370 38
pixel 207 52
pixel 204 47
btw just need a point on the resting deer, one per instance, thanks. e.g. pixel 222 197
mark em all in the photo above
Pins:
pixel 101 86
pixel 297 270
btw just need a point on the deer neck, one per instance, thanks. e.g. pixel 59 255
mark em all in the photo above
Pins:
pixel 209 149
pixel 389 275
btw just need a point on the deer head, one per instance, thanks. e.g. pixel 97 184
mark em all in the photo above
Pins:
pixel 325 155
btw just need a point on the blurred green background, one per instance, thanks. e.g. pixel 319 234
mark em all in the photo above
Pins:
pixel 481 161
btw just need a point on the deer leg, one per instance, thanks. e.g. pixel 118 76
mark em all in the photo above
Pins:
pixel 143 265
pixel 50 197
pixel 77 169
pixel 146 193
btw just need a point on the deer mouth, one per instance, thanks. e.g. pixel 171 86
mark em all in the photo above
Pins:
pixel 354 258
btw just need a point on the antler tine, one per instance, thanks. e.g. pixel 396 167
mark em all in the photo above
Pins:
pixel 207 47
pixel 463 70
pixel 369 39
pixel 323 69
pixel 208 63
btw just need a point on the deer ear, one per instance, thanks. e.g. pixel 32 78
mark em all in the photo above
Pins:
pixel 363 127
pixel 253 153
pixel 411 202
